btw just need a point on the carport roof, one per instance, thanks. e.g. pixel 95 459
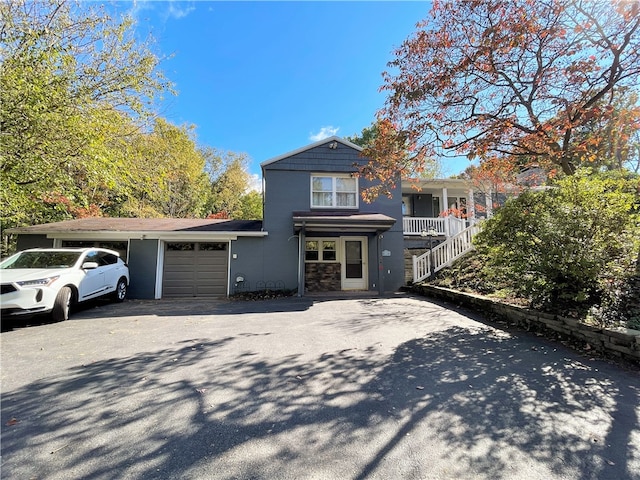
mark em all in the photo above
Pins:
pixel 145 225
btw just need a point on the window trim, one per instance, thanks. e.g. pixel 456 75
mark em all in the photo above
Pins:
pixel 334 191
pixel 319 241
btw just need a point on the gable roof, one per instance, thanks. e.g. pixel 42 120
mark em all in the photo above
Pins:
pixel 319 143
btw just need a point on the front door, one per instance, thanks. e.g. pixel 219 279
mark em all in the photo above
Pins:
pixel 354 263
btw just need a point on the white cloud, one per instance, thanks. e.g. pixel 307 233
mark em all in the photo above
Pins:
pixel 139 6
pixel 179 10
pixel 255 183
pixel 175 9
pixel 325 132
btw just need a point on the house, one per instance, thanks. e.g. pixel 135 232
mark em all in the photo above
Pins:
pixel 317 235
pixel 322 236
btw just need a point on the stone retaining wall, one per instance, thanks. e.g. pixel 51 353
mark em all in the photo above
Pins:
pixel 621 342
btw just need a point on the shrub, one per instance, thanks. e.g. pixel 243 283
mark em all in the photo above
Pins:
pixel 568 248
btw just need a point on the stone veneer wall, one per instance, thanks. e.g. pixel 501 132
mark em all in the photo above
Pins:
pixel 620 342
pixel 322 277
pixel 408 262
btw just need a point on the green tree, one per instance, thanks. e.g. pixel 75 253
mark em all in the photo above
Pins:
pixel 250 206
pixel 166 173
pixel 366 137
pixel 230 181
pixel 67 71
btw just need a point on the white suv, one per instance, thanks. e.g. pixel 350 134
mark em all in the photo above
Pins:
pixel 51 280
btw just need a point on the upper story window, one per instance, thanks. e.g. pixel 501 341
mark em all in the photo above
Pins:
pixel 334 191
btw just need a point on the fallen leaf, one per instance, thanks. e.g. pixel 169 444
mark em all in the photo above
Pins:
pixel 13 421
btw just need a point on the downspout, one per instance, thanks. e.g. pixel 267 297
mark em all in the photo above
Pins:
pixel 263 184
pixel 379 238
pixel 301 240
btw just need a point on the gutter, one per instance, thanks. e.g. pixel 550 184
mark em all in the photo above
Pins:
pixel 143 235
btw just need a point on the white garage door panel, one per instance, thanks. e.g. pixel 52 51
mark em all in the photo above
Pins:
pixel 195 270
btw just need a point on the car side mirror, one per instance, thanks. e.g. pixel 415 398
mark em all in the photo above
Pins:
pixel 89 265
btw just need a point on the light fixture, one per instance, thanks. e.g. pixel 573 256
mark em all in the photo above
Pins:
pixel 333 145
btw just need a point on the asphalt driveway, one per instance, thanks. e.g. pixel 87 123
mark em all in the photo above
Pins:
pixel 384 388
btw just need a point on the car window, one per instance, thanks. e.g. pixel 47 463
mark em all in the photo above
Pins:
pixel 93 257
pixel 108 258
pixel 43 260
pixel 101 258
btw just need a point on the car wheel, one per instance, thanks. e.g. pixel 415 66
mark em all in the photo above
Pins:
pixel 121 290
pixel 62 305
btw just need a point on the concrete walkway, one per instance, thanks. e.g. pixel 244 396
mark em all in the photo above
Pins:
pixel 380 388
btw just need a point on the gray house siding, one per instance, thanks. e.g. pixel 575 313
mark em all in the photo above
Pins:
pixel 143 265
pixel 248 264
pixel 322 159
pixel 391 259
pixel 288 189
pixel 285 192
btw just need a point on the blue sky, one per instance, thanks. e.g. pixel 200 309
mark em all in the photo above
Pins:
pixel 265 78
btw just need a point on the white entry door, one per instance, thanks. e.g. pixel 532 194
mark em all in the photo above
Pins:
pixel 354 263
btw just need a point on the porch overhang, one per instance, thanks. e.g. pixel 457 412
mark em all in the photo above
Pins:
pixel 341 222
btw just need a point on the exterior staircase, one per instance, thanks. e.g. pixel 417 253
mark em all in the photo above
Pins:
pixel 444 254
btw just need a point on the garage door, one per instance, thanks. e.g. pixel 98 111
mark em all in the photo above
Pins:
pixel 195 269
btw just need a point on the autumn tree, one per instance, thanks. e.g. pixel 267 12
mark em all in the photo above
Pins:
pixel 614 137
pixel 369 139
pixel 389 159
pixel 494 178
pixel 519 78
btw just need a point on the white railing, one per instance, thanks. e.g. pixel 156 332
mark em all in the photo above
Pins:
pixel 446 226
pixel 417 225
pixel 455 225
pixel 444 254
